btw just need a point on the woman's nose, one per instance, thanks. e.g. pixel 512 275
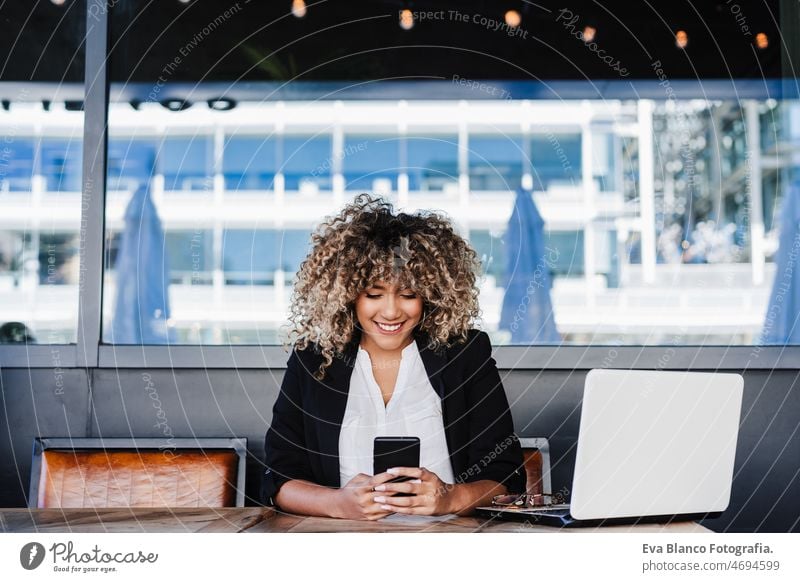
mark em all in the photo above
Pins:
pixel 391 308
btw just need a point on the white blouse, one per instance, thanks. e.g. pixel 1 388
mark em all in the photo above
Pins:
pixel 415 409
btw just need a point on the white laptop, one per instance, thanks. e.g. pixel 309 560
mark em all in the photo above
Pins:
pixel 653 446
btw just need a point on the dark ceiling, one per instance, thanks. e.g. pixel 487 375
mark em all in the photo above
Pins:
pixel 350 40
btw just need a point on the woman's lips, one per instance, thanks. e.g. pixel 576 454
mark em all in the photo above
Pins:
pixel 389 329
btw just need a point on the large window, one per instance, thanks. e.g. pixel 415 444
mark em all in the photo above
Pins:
pixel 683 257
pixel 41 174
pixel 661 219
pixel 198 248
pixel 41 177
pixel 40 204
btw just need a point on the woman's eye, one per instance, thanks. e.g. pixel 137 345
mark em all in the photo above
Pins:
pixel 410 296
pixel 372 296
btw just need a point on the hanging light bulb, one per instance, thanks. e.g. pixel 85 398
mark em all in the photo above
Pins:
pixel 58 2
pixel 406 19
pixel 589 32
pixel 299 8
pixel 681 39
pixel 762 41
pixel 513 18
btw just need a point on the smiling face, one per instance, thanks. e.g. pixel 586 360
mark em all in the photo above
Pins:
pixel 387 315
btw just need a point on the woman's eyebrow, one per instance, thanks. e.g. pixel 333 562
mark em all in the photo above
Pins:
pixel 396 289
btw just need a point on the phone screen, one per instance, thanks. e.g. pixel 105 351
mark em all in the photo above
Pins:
pixel 391 452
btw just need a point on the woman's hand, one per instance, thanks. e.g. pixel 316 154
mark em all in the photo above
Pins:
pixel 432 496
pixel 356 499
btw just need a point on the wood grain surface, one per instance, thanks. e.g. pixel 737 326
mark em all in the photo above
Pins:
pixel 270 520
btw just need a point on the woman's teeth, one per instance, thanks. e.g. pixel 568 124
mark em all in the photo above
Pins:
pixel 385 327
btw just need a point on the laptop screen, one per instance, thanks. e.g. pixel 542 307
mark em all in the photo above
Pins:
pixel 655 443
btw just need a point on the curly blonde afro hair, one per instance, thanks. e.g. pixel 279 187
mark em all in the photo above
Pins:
pixel 365 243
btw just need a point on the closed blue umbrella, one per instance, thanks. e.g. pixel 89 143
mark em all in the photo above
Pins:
pixel 527 310
pixel 142 306
pixel 780 323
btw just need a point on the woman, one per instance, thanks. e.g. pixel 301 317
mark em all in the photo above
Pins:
pixel 381 316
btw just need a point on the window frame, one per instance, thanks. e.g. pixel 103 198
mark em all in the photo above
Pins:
pixel 89 352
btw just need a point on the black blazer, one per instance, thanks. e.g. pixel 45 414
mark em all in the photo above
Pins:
pixel 303 440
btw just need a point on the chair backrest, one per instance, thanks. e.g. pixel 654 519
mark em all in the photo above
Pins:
pixel 536 455
pixel 95 473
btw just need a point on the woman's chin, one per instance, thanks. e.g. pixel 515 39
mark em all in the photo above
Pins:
pixel 389 342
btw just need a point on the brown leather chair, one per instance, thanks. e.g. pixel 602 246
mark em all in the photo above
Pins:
pixel 96 473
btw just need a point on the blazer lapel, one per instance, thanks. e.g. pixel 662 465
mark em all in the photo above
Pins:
pixel 440 371
pixel 435 365
pixel 332 400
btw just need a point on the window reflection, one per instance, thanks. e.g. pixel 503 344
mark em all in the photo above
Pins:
pixel 250 163
pixel 307 163
pixel 187 163
pixel 432 162
pixel 556 160
pixel 371 163
pixel 129 162
pixel 618 274
pixel 40 206
pixel 496 162
pixel 61 164
pixel 263 257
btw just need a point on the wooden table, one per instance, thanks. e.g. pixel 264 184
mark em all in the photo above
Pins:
pixel 269 520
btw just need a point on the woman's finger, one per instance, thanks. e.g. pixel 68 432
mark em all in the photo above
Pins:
pixel 381 478
pixel 387 502
pixel 414 472
pixel 405 487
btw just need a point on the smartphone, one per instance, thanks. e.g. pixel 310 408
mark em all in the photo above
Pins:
pixel 391 451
